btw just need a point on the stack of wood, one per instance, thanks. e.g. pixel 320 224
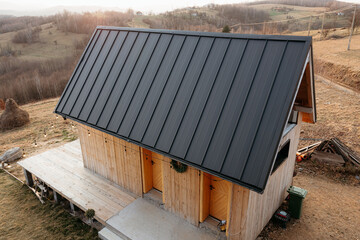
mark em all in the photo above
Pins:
pixel 331 151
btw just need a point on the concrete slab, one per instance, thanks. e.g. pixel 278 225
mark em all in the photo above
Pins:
pixel 107 234
pixel 143 220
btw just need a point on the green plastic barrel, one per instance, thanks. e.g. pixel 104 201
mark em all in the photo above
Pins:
pixel 297 196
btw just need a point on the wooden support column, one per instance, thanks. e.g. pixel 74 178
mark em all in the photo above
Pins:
pixel 28 178
pixel 72 207
pixel 57 197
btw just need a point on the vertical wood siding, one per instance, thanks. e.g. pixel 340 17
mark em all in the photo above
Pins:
pixel 112 158
pixel 248 211
pixel 181 192
pixel 251 211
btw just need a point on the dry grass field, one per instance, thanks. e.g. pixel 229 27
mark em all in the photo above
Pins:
pixel 294 11
pixel 338 115
pixel 42 120
pixel 53 43
pixel 23 217
pixel 333 61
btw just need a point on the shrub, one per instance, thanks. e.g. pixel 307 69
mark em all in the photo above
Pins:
pixel 226 29
pixel 29 35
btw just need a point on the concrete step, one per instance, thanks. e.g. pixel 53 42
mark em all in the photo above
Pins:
pixel 107 234
pixel 142 220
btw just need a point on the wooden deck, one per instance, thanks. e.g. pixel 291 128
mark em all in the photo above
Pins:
pixel 62 170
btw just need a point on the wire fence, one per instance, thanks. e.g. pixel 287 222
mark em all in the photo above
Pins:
pixel 321 26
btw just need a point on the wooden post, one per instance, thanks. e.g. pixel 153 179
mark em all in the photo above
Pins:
pixel 28 178
pixel 72 207
pixel 322 26
pixel 264 28
pixel 309 26
pixel 57 197
pixel 352 28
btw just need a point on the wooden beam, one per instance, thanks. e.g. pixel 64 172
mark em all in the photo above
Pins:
pixel 303 109
pixel 28 178
pixel 204 196
pixel 72 207
pixel 146 169
pixel 181 192
pixel 231 189
pixel 57 197
pixel 239 206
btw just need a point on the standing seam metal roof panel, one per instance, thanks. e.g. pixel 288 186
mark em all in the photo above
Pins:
pixel 218 102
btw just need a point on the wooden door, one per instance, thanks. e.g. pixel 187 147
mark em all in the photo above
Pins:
pixel 219 193
pixel 157 171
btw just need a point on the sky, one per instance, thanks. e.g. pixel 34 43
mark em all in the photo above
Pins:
pixel 155 6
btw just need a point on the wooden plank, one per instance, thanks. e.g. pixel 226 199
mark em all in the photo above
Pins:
pixel 250 211
pixel 62 170
pixel 146 168
pixel 28 178
pixel 219 198
pixel 239 211
pixel 331 158
pixel 204 196
pixel 229 207
pixel 84 177
pixel 112 158
pixel 181 192
pixel 157 175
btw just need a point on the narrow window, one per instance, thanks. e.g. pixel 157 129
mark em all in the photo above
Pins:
pixel 281 156
pixel 293 117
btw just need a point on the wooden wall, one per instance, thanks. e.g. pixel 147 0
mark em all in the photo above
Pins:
pixel 237 212
pixel 112 158
pixel 251 211
pixel 184 194
pixel 181 192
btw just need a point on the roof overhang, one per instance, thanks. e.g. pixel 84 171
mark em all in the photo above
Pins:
pixel 305 98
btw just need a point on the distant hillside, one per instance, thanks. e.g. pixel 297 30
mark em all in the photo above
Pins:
pixel 303 3
pixel 39 53
pixel 58 9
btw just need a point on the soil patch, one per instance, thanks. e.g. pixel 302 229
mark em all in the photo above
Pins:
pixel 331 210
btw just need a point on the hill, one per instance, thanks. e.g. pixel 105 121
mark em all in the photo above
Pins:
pixel 281 11
pixel 53 43
pixel 38 54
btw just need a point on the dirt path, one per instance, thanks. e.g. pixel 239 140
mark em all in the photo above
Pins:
pixel 331 210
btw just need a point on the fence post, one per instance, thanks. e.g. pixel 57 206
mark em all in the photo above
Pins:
pixel 352 28
pixel 322 26
pixel 264 28
pixel 309 26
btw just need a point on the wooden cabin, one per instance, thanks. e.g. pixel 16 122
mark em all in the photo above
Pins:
pixel 203 125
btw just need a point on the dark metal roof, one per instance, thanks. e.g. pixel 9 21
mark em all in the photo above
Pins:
pixel 218 102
